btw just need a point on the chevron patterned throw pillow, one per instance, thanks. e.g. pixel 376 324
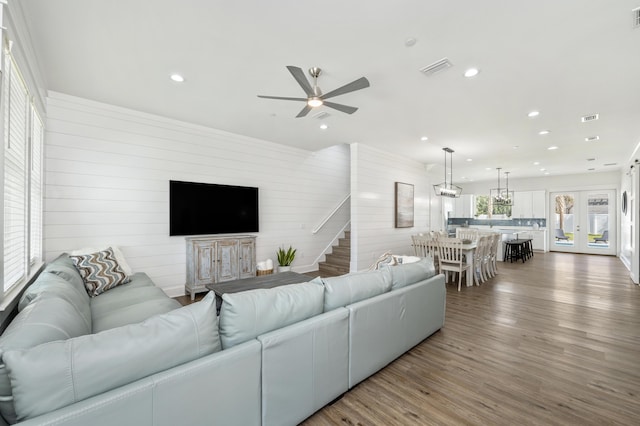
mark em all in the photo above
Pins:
pixel 100 271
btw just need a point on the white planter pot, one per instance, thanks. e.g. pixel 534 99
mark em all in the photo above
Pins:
pixel 284 268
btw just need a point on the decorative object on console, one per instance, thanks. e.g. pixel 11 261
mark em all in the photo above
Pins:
pixel 448 189
pixel 500 196
pixel 315 98
pixel 285 258
pixel 265 267
pixel 404 205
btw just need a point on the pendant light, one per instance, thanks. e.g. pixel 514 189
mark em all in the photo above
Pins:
pixel 447 189
pixel 500 196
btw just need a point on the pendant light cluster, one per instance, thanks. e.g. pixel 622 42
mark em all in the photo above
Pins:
pixel 502 196
pixel 448 189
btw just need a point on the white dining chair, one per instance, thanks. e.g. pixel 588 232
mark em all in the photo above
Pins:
pixel 493 253
pixel 450 258
pixel 467 234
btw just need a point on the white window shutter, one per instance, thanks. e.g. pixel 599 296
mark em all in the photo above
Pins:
pixel 35 191
pixel 15 177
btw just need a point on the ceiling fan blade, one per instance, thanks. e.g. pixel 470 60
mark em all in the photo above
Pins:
pixel 340 107
pixel 304 111
pixel 282 98
pixel 298 74
pixel 358 84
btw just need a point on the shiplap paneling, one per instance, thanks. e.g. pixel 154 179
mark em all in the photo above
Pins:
pixel 373 177
pixel 107 172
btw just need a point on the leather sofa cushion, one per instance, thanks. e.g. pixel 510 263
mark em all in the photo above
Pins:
pixel 63 267
pixel 406 274
pixel 346 289
pixel 129 303
pixel 51 285
pixel 43 320
pixel 56 374
pixel 133 314
pixel 246 315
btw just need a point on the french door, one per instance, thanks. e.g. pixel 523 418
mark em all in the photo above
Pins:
pixel 583 222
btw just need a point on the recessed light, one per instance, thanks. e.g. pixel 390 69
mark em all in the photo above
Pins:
pixel 424 139
pixel 324 126
pixel 516 147
pixel 590 117
pixel 542 170
pixel 469 159
pixel 533 114
pixel 177 78
pixel 551 148
pixel 471 72
pixel 546 173
pixel 544 132
pixel 488 168
pixel 536 163
pixel 411 41
pixel 591 138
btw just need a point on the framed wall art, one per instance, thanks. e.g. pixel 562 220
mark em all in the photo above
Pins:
pixel 404 205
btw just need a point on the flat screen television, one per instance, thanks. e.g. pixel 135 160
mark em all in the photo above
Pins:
pixel 205 208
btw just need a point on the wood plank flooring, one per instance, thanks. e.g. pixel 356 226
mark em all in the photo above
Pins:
pixel 554 341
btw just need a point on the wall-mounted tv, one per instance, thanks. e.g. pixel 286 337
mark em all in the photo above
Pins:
pixel 205 208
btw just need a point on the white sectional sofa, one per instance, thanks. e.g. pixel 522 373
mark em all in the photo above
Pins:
pixel 272 357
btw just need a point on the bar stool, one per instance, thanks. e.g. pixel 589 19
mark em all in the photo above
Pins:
pixel 515 249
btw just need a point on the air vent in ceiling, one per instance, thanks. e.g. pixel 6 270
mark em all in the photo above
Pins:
pixel 591 159
pixel 591 117
pixel 636 17
pixel 611 164
pixel 436 67
pixel 592 138
pixel 321 115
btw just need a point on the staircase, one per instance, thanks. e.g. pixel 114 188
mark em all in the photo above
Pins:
pixel 337 262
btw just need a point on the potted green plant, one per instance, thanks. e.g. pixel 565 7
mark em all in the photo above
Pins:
pixel 285 258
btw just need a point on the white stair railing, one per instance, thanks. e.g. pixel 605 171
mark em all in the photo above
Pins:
pixel 334 211
pixel 333 242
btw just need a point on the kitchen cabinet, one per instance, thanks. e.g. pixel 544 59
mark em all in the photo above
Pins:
pixel 538 238
pixel 539 204
pixel 529 204
pixel 463 206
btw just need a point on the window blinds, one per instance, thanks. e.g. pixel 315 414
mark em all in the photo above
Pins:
pixel 16 115
pixel 35 190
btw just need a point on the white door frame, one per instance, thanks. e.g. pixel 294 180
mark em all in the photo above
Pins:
pixel 579 243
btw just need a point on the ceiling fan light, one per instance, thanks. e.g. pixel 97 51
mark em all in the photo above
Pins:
pixel 314 102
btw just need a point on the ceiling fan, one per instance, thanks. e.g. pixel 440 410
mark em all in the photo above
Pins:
pixel 315 98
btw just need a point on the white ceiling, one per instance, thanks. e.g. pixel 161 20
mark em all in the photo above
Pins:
pixel 565 58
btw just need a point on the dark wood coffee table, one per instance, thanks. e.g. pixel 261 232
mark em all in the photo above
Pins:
pixel 263 281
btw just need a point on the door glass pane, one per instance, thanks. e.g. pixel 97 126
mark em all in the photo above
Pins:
pixel 564 220
pixel 598 216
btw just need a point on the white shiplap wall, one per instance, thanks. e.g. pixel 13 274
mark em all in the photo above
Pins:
pixel 107 173
pixel 373 177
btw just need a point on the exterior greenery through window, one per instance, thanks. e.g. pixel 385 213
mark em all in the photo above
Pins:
pixel 485 208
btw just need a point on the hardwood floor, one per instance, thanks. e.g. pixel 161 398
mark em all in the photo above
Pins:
pixel 554 341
